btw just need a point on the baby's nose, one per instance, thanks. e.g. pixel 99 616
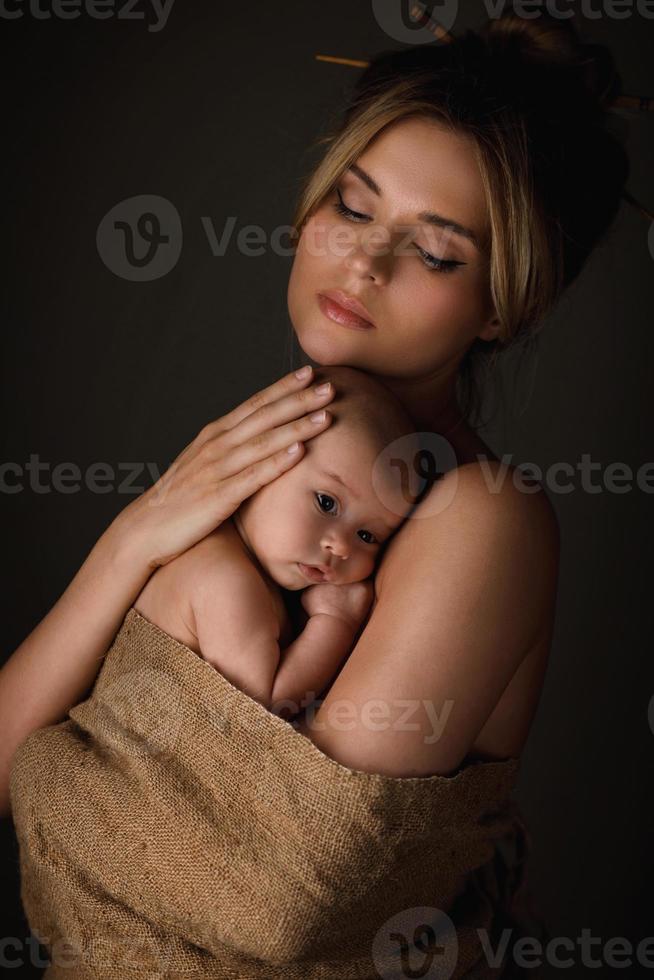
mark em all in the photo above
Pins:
pixel 337 545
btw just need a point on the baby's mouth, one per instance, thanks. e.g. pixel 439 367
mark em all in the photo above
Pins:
pixel 312 573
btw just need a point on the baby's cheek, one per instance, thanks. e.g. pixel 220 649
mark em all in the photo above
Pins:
pixel 356 573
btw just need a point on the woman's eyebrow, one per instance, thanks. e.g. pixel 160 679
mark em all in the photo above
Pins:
pixel 428 216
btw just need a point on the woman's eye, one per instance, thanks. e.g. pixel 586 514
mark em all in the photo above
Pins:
pixel 326 503
pixel 431 261
pixel 341 208
pixel 440 265
pixel 370 537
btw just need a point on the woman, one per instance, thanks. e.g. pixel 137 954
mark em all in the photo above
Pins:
pixel 485 171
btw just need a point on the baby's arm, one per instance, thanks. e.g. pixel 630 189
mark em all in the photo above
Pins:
pixel 310 662
pixel 236 626
pixel 238 632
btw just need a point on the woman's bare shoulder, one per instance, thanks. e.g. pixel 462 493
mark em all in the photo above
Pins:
pixel 488 495
pixel 482 475
pixel 504 489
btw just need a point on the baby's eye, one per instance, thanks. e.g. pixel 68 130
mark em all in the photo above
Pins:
pixel 326 503
pixel 370 539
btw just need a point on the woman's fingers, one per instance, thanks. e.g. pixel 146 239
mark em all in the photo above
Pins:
pixel 290 384
pixel 228 461
pixel 241 485
pixel 275 414
pixel 270 443
pixel 244 450
pixel 223 439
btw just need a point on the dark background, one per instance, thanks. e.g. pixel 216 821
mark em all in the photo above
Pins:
pixel 217 112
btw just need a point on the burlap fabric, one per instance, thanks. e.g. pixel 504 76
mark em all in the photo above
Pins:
pixel 174 827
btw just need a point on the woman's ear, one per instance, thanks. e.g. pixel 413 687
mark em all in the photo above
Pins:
pixel 490 329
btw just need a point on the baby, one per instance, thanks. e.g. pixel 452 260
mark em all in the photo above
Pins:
pixel 318 527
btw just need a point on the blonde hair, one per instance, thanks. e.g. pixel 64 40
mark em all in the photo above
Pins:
pixel 514 89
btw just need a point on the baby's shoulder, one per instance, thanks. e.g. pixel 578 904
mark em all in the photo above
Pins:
pixel 226 588
pixel 207 587
pixel 224 542
pixel 219 557
pixel 206 566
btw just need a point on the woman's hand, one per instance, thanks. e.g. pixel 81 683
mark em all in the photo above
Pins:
pixel 349 603
pixel 230 459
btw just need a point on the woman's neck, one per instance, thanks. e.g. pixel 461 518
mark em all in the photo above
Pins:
pixel 431 401
pixel 433 405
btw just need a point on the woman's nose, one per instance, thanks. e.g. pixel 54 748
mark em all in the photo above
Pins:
pixel 370 256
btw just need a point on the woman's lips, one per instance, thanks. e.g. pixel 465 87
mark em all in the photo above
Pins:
pixel 333 311
pixel 314 574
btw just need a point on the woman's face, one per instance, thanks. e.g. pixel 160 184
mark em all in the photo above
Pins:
pixel 424 317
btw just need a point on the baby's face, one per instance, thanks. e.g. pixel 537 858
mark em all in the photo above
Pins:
pixel 308 526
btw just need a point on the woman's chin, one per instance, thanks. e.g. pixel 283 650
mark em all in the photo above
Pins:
pixel 325 347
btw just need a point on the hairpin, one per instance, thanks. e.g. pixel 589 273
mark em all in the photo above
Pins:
pixel 639 103
pixel 420 16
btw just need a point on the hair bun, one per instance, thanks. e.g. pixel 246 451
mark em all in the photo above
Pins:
pixel 547 56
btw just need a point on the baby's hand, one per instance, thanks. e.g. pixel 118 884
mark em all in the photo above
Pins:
pixel 347 602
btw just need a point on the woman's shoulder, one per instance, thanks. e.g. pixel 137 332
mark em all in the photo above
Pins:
pixel 478 463
pixel 491 501
pixel 496 503
pixel 477 505
pixel 494 486
pixel 487 526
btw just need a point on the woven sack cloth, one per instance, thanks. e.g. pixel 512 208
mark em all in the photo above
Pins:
pixel 173 827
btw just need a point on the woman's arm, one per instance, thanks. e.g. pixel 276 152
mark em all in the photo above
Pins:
pixel 57 663
pixel 462 597
pixel 229 460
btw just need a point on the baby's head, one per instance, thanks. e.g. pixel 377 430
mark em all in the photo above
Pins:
pixel 327 512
